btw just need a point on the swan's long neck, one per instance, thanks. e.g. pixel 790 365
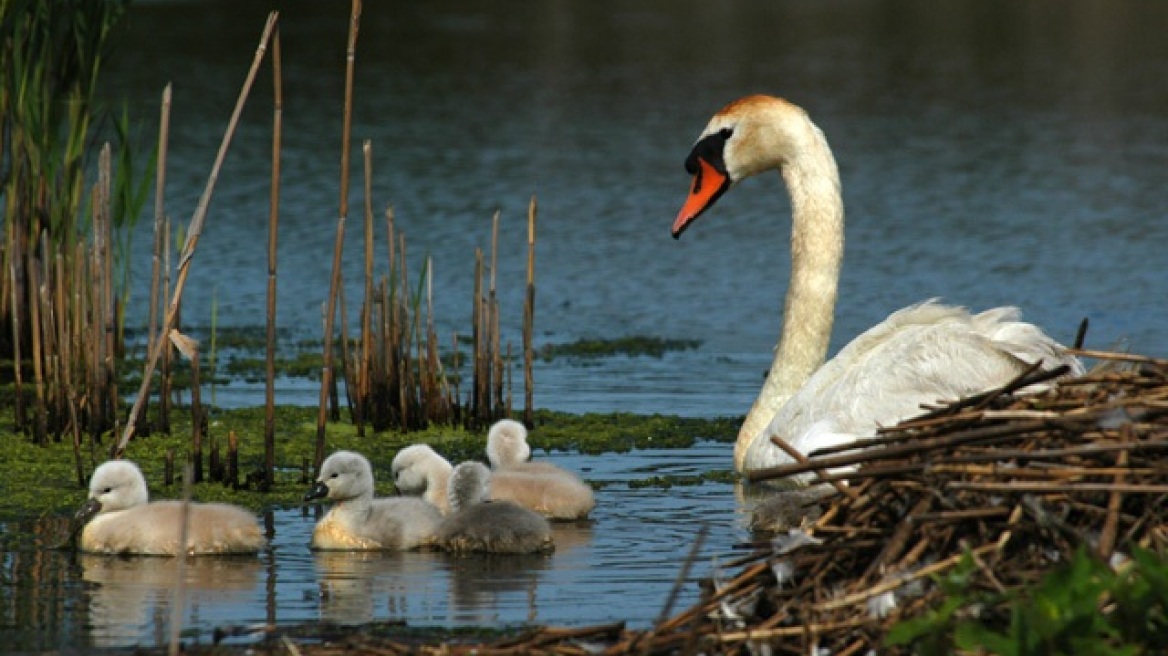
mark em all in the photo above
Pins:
pixel 817 246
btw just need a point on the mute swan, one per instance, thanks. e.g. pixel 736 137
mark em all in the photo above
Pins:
pixel 357 521
pixel 476 524
pixel 121 520
pixel 418 470
pixel 920 354
pixel 564 496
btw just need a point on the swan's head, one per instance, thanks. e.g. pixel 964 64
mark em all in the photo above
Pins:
pixel 748 136
pixel 507 444
pixel 343 475
pixel 416 467
pixel 470 484
pixel 115 485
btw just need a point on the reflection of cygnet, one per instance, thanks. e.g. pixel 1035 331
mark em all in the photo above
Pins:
pixel 476 524
pixel 133 597
pixel 419 471
pixel 782 510
pixel 123 521
pixel 551 491
pixel 357 521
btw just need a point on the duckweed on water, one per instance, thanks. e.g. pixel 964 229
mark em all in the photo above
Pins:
pixel 36 481
pixel 636 345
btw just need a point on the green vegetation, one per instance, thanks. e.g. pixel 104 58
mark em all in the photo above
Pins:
pixel 40 480
pixel 1081 607
pixel 635 345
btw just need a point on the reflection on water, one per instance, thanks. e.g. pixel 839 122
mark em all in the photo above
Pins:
pixel 130 597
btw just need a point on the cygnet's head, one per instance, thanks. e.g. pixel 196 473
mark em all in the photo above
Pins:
pixel 507 444
pixel 115 485
pixel 415 468
pixel 343 475
pixel 470 484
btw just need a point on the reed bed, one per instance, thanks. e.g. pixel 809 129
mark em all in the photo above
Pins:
pixel 1001 487
pixel 61 317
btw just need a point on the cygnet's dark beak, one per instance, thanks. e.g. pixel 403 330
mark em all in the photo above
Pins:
pixel 317 491
pixel 87 510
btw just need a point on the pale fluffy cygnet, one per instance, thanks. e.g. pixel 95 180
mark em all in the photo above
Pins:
pixel 122 520
pixel 552 491
pixel 357 521
pixel 476 524
pixel 419 471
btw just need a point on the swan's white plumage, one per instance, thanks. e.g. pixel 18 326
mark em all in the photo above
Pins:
pixel 125 522
pixel 357 521
pixel 919 355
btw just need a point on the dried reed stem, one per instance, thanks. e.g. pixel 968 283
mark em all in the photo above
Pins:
pixel 529 321
pixel 326 377
pixel 159 216
pixel 273 237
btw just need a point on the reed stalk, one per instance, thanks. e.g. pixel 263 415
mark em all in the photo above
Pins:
pixel 338 247
pixel 496 361
pixel 364 368
pixel 273 235
pixel 159 216
pixel 529 321
pixel 164 383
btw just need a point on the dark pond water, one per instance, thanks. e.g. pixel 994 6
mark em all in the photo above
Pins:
pixel 991 153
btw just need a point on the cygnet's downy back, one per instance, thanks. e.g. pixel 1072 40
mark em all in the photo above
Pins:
pixel 478 525
pixel 551 491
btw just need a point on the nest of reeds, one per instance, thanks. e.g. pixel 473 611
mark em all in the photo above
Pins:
pixel 1002 487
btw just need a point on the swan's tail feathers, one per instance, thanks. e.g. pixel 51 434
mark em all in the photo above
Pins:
pixel 1026 342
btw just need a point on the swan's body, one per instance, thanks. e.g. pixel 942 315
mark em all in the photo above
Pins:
pixel 921 354
pixel 418 470
pixel 552 491
pixel 357 521
pixel 125 522
pixel 476 524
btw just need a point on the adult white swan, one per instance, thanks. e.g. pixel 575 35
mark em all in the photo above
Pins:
pixel 920 354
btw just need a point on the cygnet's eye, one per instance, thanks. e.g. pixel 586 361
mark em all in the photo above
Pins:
pixel 107 490
pixel 335 475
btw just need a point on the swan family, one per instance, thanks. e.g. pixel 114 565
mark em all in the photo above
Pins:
pixel 919 355
pixel 468 508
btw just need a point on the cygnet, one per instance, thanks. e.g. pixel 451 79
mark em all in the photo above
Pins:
pixel 121 520
pixel 419 471
pixel 552 491
pixel 478 525
pixel 357 521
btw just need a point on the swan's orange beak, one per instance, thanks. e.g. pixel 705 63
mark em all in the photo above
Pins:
pixel 708 185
